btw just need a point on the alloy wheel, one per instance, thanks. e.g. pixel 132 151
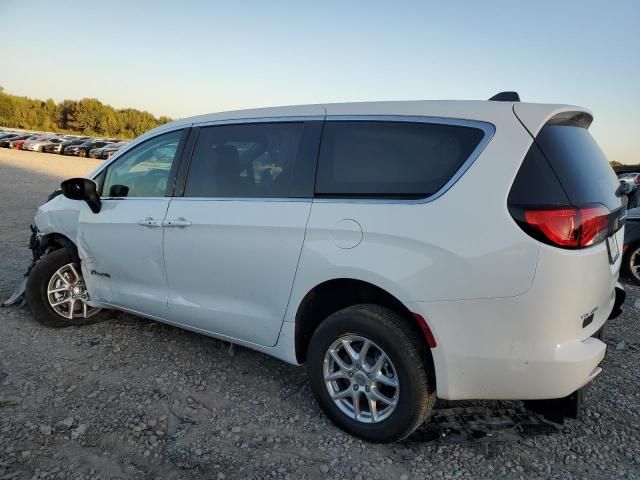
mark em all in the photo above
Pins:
pixel 634 264
pixel 67 294
pixel 361 379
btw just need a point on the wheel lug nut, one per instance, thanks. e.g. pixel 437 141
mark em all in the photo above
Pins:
pixel 355 387
pixel 351 374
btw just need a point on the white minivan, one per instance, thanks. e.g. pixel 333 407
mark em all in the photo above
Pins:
pixel 403 250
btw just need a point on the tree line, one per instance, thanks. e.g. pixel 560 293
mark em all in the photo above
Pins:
pixel 88 116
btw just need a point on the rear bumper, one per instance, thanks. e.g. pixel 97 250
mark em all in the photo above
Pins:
pixel 486 360
pixel 620 297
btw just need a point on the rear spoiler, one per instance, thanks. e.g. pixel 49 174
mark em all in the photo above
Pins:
pixel 534 116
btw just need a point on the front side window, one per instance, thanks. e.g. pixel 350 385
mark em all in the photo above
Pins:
pixel 384 159
pixel 144 170
pixel 245 161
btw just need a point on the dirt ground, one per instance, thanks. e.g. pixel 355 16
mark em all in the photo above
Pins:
pixel 130 398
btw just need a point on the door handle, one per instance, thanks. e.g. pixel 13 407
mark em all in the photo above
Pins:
pixel 150 222
pixel 177 222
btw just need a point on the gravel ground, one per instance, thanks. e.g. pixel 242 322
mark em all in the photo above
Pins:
pixel 130 398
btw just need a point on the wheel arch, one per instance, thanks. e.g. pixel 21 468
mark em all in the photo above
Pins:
pixel 56 241
pixel 333 295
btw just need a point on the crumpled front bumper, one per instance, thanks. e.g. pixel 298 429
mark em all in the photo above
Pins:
pixel 37 248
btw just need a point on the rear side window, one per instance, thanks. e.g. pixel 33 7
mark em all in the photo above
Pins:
pixel 378 159
pixel 254 160
pixel 582 168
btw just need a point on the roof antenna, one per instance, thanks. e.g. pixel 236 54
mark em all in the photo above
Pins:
pixel 506 97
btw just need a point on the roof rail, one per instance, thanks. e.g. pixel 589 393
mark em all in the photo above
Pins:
pixel 506 97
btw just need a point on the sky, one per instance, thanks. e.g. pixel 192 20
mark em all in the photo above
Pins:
pixel 182 58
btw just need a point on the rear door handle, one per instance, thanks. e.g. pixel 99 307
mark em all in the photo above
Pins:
pixel 150 222
pixel 177 222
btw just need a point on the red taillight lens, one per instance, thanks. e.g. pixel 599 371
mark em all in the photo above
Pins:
pixel 570 227
pixel 595 225
pixel 561 227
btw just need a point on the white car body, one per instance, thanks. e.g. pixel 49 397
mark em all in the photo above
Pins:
pixel 37 143
pixel 505 309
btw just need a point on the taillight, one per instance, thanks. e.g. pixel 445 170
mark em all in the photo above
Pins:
pixel 568 227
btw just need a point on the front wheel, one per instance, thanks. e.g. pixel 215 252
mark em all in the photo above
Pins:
pixel 631 263
pixel 82 153
pixel 371 373
pixel 56 292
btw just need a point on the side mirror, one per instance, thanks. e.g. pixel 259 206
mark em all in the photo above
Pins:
pixel 117 191
pixel 625 188
pixel 82 189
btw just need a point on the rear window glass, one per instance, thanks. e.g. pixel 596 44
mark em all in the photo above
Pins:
pixel 391 159
pixel 581 167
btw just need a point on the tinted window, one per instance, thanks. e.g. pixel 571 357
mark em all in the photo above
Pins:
pixel 391 159
pixel 250 160
pixel 144 170
pixel 580 165
pixel 536 183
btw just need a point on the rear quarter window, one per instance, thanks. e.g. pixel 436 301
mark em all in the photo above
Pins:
pixel 581 167
pixel 384 159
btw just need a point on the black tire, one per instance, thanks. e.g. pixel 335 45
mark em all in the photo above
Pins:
pixel 626 263
pixel 403 346
pixel 36 292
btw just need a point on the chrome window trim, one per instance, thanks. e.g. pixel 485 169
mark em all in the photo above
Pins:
pixel 488 128
pixel 120 199
pixel 236 121
pixel 243 199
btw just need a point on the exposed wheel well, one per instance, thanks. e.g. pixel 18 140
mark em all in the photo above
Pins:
pixel 333 295
pixel 55 241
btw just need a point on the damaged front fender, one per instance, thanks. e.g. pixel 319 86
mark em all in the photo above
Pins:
pixel 37 250
pixel 55 224
pixel 40 245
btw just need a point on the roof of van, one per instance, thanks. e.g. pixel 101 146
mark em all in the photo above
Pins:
pixel 480 110
pixel 449 108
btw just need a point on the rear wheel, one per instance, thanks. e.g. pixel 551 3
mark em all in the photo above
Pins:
pixel 56 292
pixel 371 374
pixel 631 263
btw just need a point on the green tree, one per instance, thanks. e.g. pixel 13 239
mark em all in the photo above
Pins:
pixel 87 116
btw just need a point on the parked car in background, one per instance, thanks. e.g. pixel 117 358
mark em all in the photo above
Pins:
pixel 633 196
pixel 96 152
pixel 631 250
pixel 109 150
pixel 38 139
pixel 631 178
pixel 6 142
pixel 51 142
pixel 19 144
pixel 82 150
pixel 39 144
pixel 9 135
pixel 106 151
pixel 59 148
pixel 339 236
